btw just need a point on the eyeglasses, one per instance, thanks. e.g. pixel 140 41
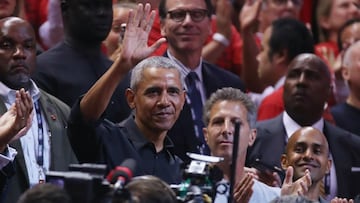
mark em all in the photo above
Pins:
pixel 197 15
pixel 282 2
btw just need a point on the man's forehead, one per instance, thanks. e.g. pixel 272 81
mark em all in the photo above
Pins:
pixel 15 24
pixel 311 137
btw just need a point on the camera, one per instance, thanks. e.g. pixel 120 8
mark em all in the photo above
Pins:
pixel 199 179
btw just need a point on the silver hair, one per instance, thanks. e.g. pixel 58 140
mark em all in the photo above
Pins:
pixel 231 94
pixel 153 62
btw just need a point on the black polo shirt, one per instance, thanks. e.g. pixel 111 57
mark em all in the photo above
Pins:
pixel 111 144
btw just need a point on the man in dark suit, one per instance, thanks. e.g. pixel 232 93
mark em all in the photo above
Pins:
pixel 69 69
pixel 307 87
pixel 45 145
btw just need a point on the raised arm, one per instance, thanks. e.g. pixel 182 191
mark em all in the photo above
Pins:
pixel 248 18
pixel 214 49
pixel 134 49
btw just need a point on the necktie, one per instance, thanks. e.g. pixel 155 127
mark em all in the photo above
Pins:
pixel 196 108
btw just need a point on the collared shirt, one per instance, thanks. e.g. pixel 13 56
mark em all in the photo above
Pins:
pixel 8 157
pixel 291 126
pixel 185 71
pixel 257 98
pixel 111 144
pixel 29 141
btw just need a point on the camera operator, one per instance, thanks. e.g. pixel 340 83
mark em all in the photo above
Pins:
pixel 225 107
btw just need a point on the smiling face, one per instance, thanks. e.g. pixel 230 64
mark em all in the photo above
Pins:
pixel 17 52
pixel 219 133
pixel 186 36
pixel 307 149
pixel 157 99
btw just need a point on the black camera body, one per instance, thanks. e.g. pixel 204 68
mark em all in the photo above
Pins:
pixel 84 183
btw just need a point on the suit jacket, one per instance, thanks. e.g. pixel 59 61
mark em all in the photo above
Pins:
pixel 344 146
pixel 183 133
pixel 68 73
pixel 56 113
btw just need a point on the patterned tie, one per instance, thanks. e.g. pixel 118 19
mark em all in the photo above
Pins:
pixel 196 108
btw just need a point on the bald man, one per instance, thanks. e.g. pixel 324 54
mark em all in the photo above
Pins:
pixel 308 149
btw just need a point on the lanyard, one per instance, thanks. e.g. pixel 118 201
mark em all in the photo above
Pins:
pixel 40 148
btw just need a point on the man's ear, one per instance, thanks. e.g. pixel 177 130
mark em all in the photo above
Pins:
pixel 162 28
pixel 130 98
pixel 284 162
pixel 281 57
pixel 205 132
pixel 252 136
pixel 345 73
pixel 328 166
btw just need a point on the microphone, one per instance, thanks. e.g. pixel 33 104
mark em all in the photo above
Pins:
pixel 122 174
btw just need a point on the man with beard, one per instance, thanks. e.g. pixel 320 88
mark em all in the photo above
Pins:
pixel 45 145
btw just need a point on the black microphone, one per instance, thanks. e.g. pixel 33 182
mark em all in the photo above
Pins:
pixel 122 174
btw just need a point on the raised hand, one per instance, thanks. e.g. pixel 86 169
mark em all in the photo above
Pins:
pixel 299 187
pixel 135 46
pixel 223 18
pixel 249 14
pixel 16 121
pixel 243 189
pixel 341 200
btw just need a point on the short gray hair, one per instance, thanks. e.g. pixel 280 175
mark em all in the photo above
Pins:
pixel 153 62
pixel 231 94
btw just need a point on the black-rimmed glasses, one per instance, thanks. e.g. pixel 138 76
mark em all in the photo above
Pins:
pixel 197 15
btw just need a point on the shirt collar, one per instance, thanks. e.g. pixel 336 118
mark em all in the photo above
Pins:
pixel 185 70
pixel 137 137
pixel 279 83
pixel 8 95
pixel 291 126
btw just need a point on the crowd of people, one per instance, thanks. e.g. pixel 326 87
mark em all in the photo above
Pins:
pixel 102 81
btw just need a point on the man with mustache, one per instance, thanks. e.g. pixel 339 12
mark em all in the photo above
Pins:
pixel 306 90
pixel 45 145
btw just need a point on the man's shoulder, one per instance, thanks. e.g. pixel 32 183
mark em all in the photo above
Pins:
pixel 52 100
pixel 215 73
pixel 270 123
